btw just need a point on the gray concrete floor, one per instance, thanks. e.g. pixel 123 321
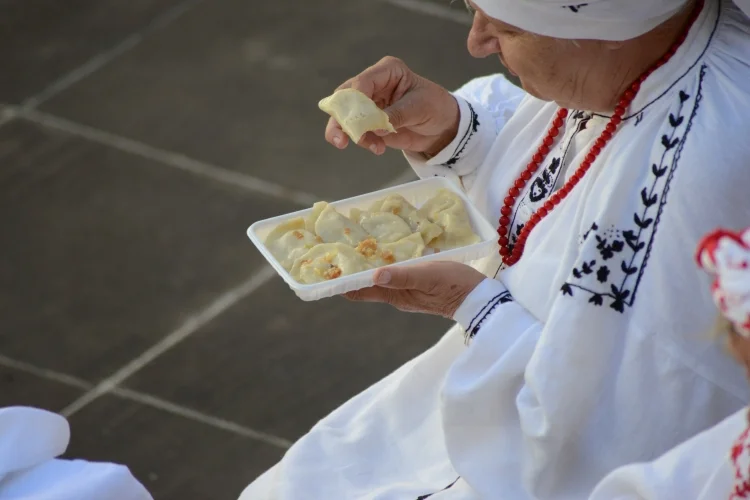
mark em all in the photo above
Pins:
pixel 138 141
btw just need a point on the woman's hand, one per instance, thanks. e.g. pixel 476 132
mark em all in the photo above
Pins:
pixel 437 288
pixel 424 114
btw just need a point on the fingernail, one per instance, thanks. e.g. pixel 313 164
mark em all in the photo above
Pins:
pixel 383 278
pixel 337 140
pixel 374 148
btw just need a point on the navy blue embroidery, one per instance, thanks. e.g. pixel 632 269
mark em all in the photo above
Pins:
pixel 473 127
pixel 575 8
pixel 423 497
pixel 717 5
pixel 502 298
pixel 471 323
pixel 628 245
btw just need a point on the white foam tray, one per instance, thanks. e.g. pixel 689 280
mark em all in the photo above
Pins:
pixel 417 193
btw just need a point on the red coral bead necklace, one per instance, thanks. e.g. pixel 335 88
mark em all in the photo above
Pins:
pixel 511 257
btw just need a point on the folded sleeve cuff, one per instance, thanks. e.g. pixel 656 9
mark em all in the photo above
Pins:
pixel 479 304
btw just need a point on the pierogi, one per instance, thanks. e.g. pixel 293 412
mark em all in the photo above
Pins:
pixel 356 113
pixel 326 244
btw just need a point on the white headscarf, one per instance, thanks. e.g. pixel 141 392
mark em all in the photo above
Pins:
pixel 584 19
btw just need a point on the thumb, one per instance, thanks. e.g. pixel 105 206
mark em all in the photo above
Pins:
pixel 404 278
pixel 401 113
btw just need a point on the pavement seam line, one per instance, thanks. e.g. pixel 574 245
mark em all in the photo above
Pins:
pixel 197 416
pixel 168 158
pixel 103 58
pixel 149 400
pixel 190 326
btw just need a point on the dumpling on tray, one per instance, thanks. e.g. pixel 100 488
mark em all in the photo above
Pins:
pixel 328 261
pixel 447 210
pixel 385 227
pixel 384 254
pixel 397 205
pixel 332 227
pixel 290 240
pixel 356 113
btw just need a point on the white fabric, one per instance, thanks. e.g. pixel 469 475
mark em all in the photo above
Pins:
pixel 699 469
pixel 594 19
pixel 588 368
pixel 727 255
pixel 30 439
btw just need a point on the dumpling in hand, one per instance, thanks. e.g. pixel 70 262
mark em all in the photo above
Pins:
pixel 290 240
pixel 328 261
pixel 447 210
pixel 356 113
pixel 332 227
pixel 397 205
pixel 385 227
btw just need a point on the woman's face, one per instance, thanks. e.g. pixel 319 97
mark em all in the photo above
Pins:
pixel 538 61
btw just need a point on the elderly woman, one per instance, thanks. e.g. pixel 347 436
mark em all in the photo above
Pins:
pixel 586 347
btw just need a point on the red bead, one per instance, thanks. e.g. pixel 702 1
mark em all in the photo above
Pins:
pixel 514 191
pixel 520 183
pixel 555 199
pixel 629 95
pixel 509 201
pixel 506 210
pixel 542 211
pixel 558 122
pixel 503 241
pixel 563 112
pixel 535 218
pixel 544 149
pixel 616 120
pixel 619 110
pixel 636 86
pixel 538 158
pixel 504 251
pixel 590 158
pixel 610 128
pixel 526 175
pixel 607 134
pixel 553 133
pixel 564 190
pixel 548 141
pixel 596 149
pixel 505 221
pixel 577 176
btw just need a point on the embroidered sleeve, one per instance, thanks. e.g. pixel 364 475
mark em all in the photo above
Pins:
pixel 485 105
pixel 479 305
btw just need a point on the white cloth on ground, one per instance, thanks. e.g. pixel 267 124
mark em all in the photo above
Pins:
pixel 591 352
pixel 30 439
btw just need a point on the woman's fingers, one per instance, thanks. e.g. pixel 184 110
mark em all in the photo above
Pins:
pixel 335 135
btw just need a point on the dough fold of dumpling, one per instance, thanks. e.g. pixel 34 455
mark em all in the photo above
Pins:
pixel 290 240
pixel 447 210
pixel 356 113
pixel 397 205
pixel 328 261
pixel 385 227
pixel 332 227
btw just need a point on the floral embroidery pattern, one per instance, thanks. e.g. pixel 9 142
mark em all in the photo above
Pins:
pixel 618 284
pixel 575 8
pixel 473 127
pixel 484 312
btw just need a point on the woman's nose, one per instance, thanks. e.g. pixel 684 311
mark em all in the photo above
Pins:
pixel 480 42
